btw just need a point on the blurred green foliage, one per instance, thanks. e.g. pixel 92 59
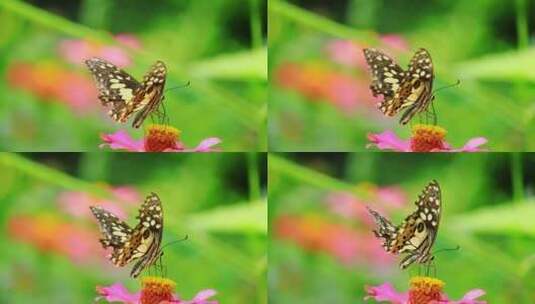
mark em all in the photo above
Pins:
pixel 487 45
pixel 218 46
pixel 204 196
pixel 483 212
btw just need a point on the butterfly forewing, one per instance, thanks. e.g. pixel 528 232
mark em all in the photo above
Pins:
pixel 141 243
pixel 411 89
pixel 416 235
pixel 125 95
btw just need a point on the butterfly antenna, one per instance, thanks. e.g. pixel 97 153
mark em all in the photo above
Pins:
pixel 173 242
pixel 448 86
pixel 447 249
pixel 180 87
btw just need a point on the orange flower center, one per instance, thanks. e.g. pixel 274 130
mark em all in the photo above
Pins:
pixel 426 138
pixel 155 290
pixel 159 138
pixel 424 290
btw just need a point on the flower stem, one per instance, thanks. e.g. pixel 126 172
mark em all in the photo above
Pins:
pixel 319 23
pixel 516 177
pixel 522 24
pixel 253 177
pixel 256 24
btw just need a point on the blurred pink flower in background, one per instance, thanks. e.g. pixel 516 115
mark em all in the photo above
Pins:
pixel 49 233
pixel 77 203
pixel 424 138
pixel 351 206
pixel 154 290
pixel 349 52
pixel 76 51
pixel 320 83
pixel 316 234
pixel 50 81
pixel 158 138
pixel 422 290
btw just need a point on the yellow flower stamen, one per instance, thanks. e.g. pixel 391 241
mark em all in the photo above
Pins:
pixel 426 138
pixel 156 289
pixel 159 138
pixel 424 290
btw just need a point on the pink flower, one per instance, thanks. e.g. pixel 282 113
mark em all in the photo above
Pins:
pixel 77 203
pixel 155 290
pixel 76 51
pixel 350 206
pixel 424 138
pixel 423 290
pixel 50 81
pixel 315 234
pixel 158 138
pixel 49 233
pixel 349 53
pixel 323 84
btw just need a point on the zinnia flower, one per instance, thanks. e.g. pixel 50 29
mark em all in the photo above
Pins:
pixel 158 138
pixel 424 138
pixel 154 290
pixel 76 51
pixel 422 290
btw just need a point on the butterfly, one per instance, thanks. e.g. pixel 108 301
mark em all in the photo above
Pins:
pixel 141 243
pixel 124 94
pixel 417 234
pixel 410 90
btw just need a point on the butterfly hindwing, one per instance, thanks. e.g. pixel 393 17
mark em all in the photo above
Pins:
pixel 153 85
pixel 125 95
pixel 416 235
pixel 143 243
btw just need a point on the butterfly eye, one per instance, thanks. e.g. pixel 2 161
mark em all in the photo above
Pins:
pixel 420 227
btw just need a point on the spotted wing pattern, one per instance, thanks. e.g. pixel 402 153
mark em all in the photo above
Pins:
pixel 141 243
pixel 416 235
pixel 125 95
pixel 410 90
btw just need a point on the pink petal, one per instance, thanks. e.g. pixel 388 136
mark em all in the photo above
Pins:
pixel 202 297
pixel 206 145
pixel 388 140
pixel 386 292
pixel 117 292
pixel 473 144
pixel 471 297
pixel 121 140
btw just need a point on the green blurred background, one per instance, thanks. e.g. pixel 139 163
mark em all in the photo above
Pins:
pixel 50 250
pixel 319 97
pixel 323 249
pixel 48 102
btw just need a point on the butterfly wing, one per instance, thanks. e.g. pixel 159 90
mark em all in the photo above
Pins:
pixel 117 89
pixel 417 234
pixel 415 93
pixel 151 228
pixel 114 231
pixel 143 242
pixel 385 229
pixel 387 77
pixel 153 85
